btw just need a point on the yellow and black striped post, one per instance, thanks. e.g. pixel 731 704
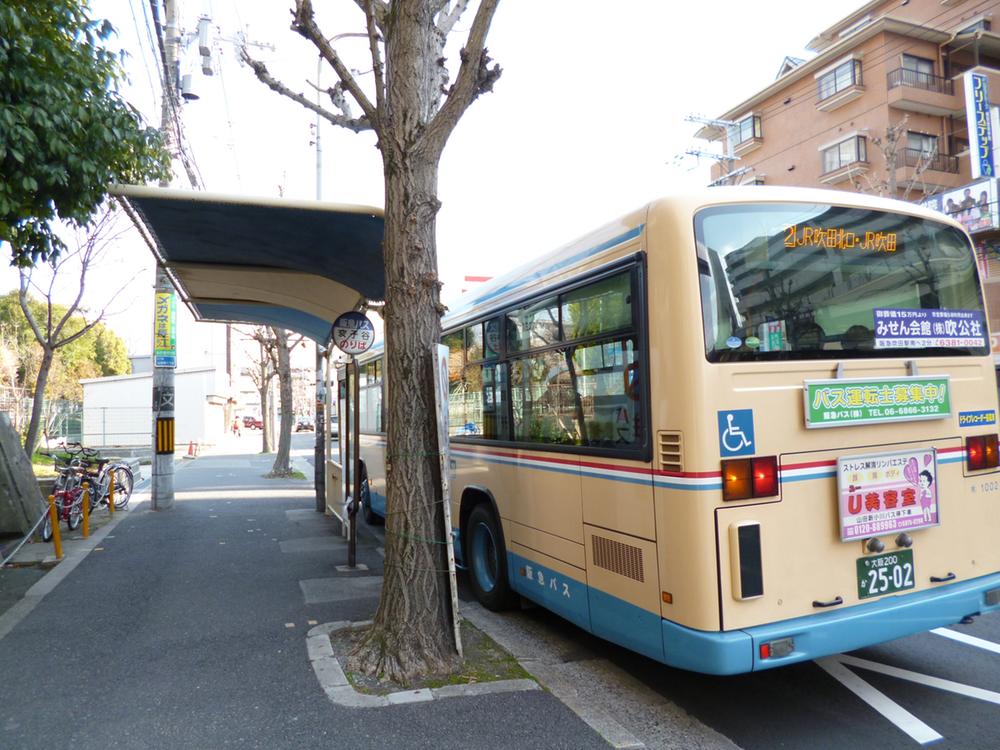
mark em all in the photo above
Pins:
pixel 164 435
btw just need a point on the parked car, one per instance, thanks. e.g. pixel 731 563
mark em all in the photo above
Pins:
pixel 304 424
pixel 252 423
pixel 334 425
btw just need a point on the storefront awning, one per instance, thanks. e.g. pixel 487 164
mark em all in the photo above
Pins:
pixel 297 264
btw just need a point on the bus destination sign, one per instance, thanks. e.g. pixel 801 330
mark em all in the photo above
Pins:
pixel 838 238
pixel 848 401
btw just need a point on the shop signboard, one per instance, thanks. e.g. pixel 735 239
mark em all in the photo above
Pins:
pixel 974 205
pixel 165 330
pixel 977 112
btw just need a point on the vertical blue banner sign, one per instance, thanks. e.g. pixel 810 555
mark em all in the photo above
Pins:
pixel 977 111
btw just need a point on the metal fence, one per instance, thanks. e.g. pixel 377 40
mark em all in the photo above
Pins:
pixel 107 426
pixel 61 420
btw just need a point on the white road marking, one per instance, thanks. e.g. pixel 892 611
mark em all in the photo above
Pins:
pixel 923 679
pixel 970 640
pixel 899 716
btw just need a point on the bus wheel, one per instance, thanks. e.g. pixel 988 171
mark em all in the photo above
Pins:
pixel 487 560
pixel 371 517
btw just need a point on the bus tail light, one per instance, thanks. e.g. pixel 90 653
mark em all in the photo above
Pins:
pixel 981 452
pixel 743 478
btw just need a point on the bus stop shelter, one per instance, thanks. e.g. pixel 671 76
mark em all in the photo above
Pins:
pixel 263 261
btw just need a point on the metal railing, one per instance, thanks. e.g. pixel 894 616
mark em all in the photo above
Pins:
pixel 913 157
pixel 916 79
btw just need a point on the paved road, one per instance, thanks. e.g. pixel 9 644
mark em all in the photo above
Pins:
pixel 186 629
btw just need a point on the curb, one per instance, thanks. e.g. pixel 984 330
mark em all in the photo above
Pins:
pixel 340 691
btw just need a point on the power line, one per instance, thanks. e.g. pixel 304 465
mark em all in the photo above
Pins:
pixel 142 48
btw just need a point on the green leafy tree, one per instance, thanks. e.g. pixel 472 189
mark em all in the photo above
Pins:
pixel 66 133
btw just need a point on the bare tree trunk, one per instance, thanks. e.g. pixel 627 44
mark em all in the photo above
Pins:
pixel 411 632
pixel 31 439
pixel 282 461
pixel 265 419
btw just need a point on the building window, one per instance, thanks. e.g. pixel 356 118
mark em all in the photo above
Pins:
pixel 747 129
pixel 921 142
pixel 852 150
pixel 918 64
pixel 840 78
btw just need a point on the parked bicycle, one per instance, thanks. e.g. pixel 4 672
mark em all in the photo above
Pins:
pixel 69 508
pixel 81 464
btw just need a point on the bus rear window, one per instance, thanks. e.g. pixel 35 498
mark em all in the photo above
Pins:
pixel 807 281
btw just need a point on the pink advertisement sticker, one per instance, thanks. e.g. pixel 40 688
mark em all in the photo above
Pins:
pixel 887 493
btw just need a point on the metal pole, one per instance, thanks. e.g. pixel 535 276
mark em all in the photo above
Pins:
pixel 345 440
pixel 319 452
pixel 352 542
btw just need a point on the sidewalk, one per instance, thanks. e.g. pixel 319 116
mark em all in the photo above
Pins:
pixel 190 625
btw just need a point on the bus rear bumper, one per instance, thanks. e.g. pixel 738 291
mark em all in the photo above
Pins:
pixel 826 633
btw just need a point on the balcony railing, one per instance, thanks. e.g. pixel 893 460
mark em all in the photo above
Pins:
pixel 918 80
pixel 913 157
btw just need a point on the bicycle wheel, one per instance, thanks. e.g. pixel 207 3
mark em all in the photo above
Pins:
pixel 124 482
pixel 47 528
pixel 75 513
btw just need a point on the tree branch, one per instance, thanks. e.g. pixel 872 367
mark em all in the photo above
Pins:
pixel 260 70
pixel 448 18
pixel 305 25
pixel 22 298
pixel 379 8
pixel 475 77
pixel 377 68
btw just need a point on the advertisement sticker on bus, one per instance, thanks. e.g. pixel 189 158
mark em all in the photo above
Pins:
pixel 920 329
pixel 886 493
pixel 977 418
pixel 846 402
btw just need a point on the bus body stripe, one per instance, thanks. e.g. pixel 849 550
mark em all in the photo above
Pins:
pixel 694 481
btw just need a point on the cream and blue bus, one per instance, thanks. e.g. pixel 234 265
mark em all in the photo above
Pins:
pixel 731 430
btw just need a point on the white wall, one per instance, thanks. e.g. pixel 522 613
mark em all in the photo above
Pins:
pixel 117 411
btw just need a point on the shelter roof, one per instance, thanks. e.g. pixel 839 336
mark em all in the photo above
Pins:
pixel 297 264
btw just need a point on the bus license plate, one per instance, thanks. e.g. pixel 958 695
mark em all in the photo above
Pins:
pixel 885 574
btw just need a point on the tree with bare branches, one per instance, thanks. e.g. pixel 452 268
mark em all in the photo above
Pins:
pixel 57 327
pixel 888 185
pixel 413 107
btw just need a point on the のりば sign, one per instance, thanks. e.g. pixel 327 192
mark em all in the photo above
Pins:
pixel 887 493
pixel 353 333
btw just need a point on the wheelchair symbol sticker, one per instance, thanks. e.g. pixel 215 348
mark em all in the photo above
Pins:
pixel 736 432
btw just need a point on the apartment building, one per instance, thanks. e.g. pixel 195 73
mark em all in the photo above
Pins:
pixel 897 100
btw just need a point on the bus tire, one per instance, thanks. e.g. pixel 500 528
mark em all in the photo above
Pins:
pixel 486 558
pixel 371 517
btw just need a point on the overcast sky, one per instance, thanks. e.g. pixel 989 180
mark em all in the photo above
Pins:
pixel 585 124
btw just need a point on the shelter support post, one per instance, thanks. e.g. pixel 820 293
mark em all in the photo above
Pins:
pixel 322 431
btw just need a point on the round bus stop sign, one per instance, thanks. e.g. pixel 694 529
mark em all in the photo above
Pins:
pixel 353 333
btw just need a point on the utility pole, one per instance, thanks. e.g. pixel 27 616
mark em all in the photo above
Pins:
pixel 165 306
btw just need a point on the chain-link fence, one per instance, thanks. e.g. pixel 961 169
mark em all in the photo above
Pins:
pixel 61 419
pixel 107 426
